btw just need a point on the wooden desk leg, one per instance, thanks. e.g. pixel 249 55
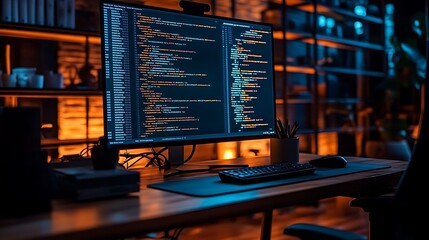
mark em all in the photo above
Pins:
pixel 266 225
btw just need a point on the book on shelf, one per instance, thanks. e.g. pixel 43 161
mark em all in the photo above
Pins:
pixel 23 11
pixel 6 10
pixel 40 12
pixel 31 12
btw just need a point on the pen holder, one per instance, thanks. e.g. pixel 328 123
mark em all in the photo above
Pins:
pixel 284 150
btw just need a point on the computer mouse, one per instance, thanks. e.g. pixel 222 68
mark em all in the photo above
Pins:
pixel 329 161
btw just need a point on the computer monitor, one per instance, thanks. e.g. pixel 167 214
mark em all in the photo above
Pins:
pixel 172 78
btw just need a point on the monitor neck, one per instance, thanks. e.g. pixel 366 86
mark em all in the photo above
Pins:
pixel 176 155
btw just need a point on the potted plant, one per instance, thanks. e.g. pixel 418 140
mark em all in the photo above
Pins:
pixel 392 138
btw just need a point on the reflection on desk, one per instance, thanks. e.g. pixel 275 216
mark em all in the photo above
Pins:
pixel 153 210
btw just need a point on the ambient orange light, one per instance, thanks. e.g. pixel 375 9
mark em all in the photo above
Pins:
pixel 227 150
pixel 228 154
pixel 289 35
pixel 321 9
pixel 334 45
pixel 289 2
pixel 48 36
pixel 7 53
pixel 310 8
pixel 295 69
pixel 320 42
pixel 306 70
pixel 278 35
pixel 328 143
pixel 307 8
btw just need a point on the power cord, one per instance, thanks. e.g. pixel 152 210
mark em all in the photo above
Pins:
pixel 153 157
pixel 84 154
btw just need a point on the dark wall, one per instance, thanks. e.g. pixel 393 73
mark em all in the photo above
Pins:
pixel 404 10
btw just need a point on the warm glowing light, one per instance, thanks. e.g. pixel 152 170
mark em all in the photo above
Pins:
pixel 49 36
pixel 228 154
pixel 327 143
pixel 278 68
pixel 7 53
pixel 289 2
pixel 227 150
pixel 306 70
pixel 289 35
pixel 309 40
pixel 296 69
pixel 47 126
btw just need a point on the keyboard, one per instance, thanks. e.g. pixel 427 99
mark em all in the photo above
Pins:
pixel 266 172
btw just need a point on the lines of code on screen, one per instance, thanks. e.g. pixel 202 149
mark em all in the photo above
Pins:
pixel 170 76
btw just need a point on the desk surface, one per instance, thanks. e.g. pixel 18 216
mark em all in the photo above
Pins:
pixel 155 210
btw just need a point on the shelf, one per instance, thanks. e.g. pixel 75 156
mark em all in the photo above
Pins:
pixel 295 101
pixel 46 93
pixel 326 41
pixel 46 143
pixel 49 34
pixel 341 129
pixel 349 42
pixel 342 100
pixel 292 100
pixel 295 69
pixel 357 64
pixel 332 130
pixel 323 69
pixel 331 11
pixel 350 13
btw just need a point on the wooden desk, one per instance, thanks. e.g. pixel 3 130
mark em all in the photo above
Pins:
pixel 154 210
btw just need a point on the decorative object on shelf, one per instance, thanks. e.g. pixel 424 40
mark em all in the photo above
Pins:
pixel 72 72
pixel 53 80
pixel 22 77
pixel 89 80
pixel 59 13
pixel 286 147
pixel 37 81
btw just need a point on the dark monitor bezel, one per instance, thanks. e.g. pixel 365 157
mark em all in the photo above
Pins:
pixel 135 145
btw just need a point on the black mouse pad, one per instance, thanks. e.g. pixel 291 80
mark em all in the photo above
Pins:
pixel 212 186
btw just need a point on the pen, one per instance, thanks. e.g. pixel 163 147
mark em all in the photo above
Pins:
pixel 291 131
pixel 288 130
pixel 280 130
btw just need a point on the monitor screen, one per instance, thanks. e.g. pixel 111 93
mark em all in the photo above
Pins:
pixel 172 78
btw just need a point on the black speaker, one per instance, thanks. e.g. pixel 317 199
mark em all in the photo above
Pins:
pixel 20 129
pixel 25 179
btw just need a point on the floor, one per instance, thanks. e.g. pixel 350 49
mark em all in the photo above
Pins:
pixel 334 212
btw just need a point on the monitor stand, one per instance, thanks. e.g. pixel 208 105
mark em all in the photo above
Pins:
pixel 177 164
pixel 175 155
